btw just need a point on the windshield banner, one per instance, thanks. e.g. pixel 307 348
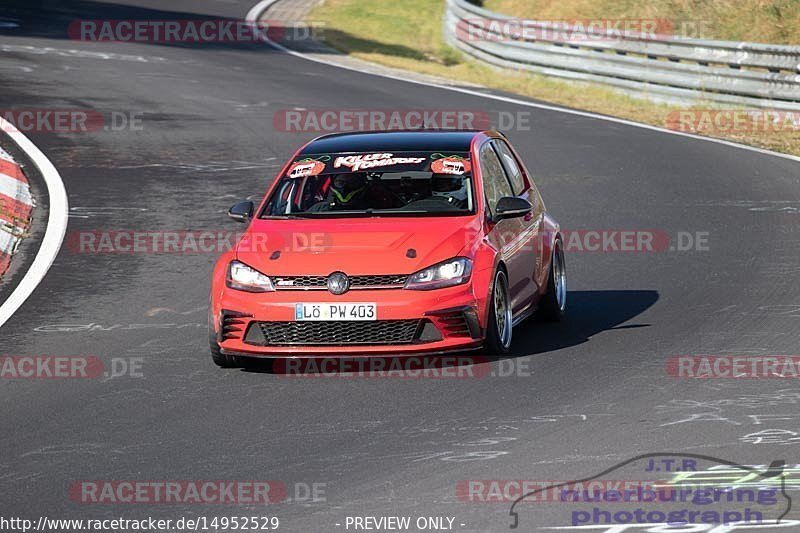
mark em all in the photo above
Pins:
pixel 438 163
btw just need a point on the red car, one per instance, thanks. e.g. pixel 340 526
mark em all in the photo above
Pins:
pixel 413 242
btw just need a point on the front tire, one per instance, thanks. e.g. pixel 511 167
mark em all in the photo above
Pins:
pixel 499 328
pixel 554 303
pixel 220 359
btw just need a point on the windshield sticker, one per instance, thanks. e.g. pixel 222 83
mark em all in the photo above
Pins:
pixel 307 167
pixel 361 162
pixel 452 164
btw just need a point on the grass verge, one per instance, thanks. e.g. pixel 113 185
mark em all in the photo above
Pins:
pixel 408 35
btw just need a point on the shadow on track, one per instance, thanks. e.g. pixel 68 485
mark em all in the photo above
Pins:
pixel 588 313
pixel 357 44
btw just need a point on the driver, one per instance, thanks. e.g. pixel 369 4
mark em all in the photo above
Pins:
pixel 353 192
pixel 450 188
pixel 347 190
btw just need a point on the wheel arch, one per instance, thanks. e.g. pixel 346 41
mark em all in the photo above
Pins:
pixel 499 264
pixel 551 232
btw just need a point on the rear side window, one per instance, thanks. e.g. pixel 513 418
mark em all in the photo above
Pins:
pixel 511 166
pixel 495 182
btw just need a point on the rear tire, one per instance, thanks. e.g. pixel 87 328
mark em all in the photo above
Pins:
pixel 498 330
pixel 554 302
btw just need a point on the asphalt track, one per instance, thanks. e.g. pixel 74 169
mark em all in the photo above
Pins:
pixel 587 393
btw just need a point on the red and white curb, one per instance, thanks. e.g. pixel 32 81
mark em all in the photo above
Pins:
pixel 16 208
pixel 17 201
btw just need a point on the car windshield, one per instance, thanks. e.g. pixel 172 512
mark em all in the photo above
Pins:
pixel 375 184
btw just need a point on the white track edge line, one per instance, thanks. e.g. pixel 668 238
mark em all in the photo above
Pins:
pixel 255 13
pixel 56 224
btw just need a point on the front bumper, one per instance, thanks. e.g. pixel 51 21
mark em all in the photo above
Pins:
pixel 448 320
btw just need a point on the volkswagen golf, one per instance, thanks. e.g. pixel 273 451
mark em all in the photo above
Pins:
pixel 375 243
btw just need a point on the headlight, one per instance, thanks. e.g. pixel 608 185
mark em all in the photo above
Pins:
pixel 244 278
pixel 445 274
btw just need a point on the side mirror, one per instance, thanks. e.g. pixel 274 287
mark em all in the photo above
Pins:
pixel 241 211
pixel 511 207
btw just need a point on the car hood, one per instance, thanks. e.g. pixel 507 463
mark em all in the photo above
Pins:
pixel 359 246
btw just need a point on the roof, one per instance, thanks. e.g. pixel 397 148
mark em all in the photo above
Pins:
pixel 393 141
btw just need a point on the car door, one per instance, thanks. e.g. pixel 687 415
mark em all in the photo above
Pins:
pixel 532 224
pixel 505 234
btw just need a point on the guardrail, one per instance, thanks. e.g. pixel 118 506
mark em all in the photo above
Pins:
pixel 660 66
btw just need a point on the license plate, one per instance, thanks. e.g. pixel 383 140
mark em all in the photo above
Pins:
pixel 335 311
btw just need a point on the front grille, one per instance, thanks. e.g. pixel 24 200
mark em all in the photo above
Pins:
pixel 300 282
pixel 340 333
pixel 390 281
pixel 378 281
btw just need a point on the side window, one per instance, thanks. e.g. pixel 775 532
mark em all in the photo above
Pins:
pixel 495 183
pixel 511 166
